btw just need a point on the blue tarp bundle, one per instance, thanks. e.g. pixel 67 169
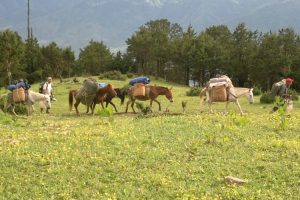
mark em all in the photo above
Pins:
pixel 18 85
pixel 141 79
pixel 102 84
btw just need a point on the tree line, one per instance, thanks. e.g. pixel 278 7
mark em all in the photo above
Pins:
pixel 164 50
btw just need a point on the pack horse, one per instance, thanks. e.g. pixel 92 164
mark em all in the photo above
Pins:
pixel 222 90
pixel 32 98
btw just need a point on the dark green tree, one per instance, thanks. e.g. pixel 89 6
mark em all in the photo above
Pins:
pixel 94 58
pixel 11 53
pixel 243 54
pixel 52 60
pixel 33 60
pixel 68 59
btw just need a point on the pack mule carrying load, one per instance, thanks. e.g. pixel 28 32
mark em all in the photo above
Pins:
pixel 19 95
pixel 88 91
pixel 219 87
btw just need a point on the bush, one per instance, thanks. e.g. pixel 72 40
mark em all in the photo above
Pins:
pixel 267 97
pixel 130 75
pixel 5 119
pixel 294 94
pixel 256 91
pixel 194 91
pixel 113 75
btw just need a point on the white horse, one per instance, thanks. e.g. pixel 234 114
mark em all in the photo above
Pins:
pixel 31 99
pixel 233 94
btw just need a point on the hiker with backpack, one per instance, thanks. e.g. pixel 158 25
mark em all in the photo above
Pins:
pixel 281 88
pixel 46 88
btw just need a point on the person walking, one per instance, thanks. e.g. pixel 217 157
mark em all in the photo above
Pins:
pixel 47 88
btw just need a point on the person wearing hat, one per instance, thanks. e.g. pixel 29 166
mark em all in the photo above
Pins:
pixel 281 88
pixel 47 88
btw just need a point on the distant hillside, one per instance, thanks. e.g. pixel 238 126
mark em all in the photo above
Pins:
pixel 76 22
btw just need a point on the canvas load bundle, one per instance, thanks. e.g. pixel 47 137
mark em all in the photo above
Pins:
pixel 90 86
pixel 220 81
pixel 19 95
pixel 139 90
pixel 88 92
pixel 218 93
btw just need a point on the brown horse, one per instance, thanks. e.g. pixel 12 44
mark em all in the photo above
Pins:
pixel 152 94
pixel 121 94
pixel 100 95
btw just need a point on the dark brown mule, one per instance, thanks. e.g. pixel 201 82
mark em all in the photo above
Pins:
pixel 104 93
pixel 154 92
pixel 121 94
pixel 100 95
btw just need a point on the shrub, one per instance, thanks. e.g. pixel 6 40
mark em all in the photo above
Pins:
pixel 194 91
pixel 130 75
pixel 266 97
pixel 257 91
pixel 5 119
pixel 294 94
pixel 143 109
pixel 113 75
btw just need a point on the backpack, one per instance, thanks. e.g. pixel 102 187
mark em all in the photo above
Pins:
pixel 41 87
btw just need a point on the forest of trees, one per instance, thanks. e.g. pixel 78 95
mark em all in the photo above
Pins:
pixel 164 50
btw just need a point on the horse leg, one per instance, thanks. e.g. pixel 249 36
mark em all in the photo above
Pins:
pixel 101 102
pixel 28 110
pixel 76 104
pixel 112 105
pixel 209 105
pixel 87 109
pixel 93 107
pixel 127 104
pixel 226 107
pixel 132 105
pixel 6 106
pixel 32 108
pixel 159 108
pixel 238 105
pixel 13 110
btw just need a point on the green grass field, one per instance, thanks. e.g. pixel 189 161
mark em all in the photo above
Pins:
pixel 160 156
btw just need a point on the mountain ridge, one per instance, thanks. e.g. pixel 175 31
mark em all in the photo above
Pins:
pixel 74 23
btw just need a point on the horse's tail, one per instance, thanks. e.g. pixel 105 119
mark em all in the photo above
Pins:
pixel 3 106
pixel 202 95
pixel 71 97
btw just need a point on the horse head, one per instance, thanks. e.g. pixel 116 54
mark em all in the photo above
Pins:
pixel 111 91
pixel 169 94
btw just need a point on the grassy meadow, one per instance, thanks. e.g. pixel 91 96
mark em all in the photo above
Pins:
pixel 171 155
